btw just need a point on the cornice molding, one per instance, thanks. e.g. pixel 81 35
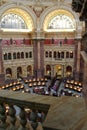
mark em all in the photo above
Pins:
pixel 36 2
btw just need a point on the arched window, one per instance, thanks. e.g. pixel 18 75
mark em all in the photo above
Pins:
pixel 26 54
pixel 50 54
pixel 46 54
pixel 9 56
pixel 8 72
pixel 13 21
pixel 61 21
pixel 67 54
pixel 14 55
pixel 71 54
pixel 62 54
pixel 48 70
pixel 30 54
pixel 58 70
pixel 22 54
pixel 5 56
pixel 19 71
pixel 58 54
pixel 54 54
pixel 18 55
pixel 68 70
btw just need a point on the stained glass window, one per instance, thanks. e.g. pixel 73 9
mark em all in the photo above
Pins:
pixel 61 21
pixel 13 21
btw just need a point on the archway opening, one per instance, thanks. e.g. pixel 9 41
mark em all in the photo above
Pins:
pixel 48 70
pixel 8 73
pixel 68 71
pixel 58 70
pixel 19 72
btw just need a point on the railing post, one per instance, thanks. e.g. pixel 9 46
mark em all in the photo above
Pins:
pixel 12 118
pixel 3 124
pixel 33 118
pixel 23 120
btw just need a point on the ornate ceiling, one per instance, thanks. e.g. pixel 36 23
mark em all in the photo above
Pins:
pixel 45 10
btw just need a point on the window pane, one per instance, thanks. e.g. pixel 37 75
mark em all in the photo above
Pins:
pixel 13 21
pixel 26 55
pixel 61 21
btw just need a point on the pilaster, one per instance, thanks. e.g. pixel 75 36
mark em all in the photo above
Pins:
pixel 38 57
pixel 38 51
pixel 24 73
pixel 14 72
pixel 77 60
pixel 2 75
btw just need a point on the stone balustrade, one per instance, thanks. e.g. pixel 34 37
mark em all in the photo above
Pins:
pixel 16 117
pixel 61 113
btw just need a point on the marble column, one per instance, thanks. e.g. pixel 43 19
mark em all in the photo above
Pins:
pixel 78 60
pixel 14 72
pixel 38 53
pixel 52 70
pixel 24 71
pixel 35 56
pixel 2 75
pixel 38 57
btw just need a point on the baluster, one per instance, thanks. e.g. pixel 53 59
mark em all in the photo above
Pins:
pixel 33 118
pixel 3 124
pixel 12 118
pixel 23 120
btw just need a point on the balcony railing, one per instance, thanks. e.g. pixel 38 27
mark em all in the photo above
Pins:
pixel 61 113
pixel 12 118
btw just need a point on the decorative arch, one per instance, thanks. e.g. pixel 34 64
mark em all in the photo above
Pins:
pixel 13 21
pixel 48 70
pixel 5 56
pixel 68 70
pixel 59 20
pixel 22 55
pixel 19 72
pixel 58 70
pixel 8 72
pixel 26 14
pixel 49 10
pixel 18 55
pixel 14 55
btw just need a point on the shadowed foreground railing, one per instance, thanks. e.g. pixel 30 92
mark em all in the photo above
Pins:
pixel 61 113
pixel 11 121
